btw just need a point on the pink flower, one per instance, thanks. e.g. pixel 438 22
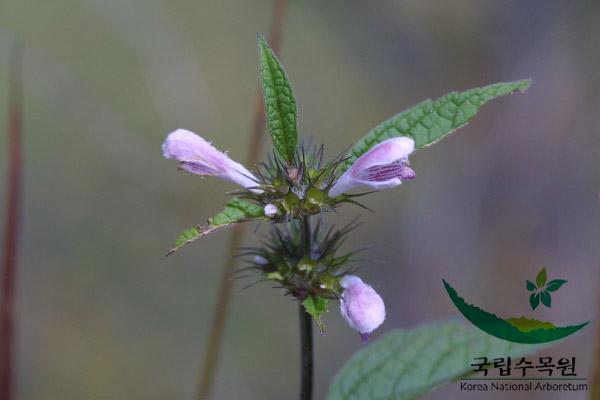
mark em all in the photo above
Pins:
pixel 198 156
pixel 361 306
pixel 384 166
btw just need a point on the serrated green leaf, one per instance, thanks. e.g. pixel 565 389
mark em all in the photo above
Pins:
pixel 279 101
pixel 534 300
pixel 236 211
pixel 187 236
pixel 541 277
pixel 546 298
pixel 431 120
pixel 316 306
pixel 555 284
pixel 531 286
pixel 406 364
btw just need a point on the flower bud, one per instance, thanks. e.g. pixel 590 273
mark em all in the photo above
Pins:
pixel 361 306
pixel 260 260
pixel 315 196
pixel 270 210
pixel 383 166
pixel 290 201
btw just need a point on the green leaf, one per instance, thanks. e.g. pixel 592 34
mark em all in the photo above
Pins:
pixel 316 306
pixel 541 277
pixel 236 211
pixel 431 120
pixel 534 300
pixel 280 105
pixel 546 299
pixel 406 364
pixel 554 285
pixel 531 286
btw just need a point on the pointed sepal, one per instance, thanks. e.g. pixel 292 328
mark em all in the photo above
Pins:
pixel 316 306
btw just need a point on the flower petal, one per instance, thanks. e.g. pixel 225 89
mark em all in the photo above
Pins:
pixel 386 152
pixel 197 168
pixel 382 173
pixel 198 156
pixel 184 145
pixel 384 166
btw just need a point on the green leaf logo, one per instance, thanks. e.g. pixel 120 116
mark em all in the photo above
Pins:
pixel 546 299
pixel 534 300
pixel 531 286
pixel 541 290
pixel 555 284
pixel 514 329
pixel 540 279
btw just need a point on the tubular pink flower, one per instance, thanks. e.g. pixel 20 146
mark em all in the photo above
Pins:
pixel 361 306
pixel 384 166
pixel 199 157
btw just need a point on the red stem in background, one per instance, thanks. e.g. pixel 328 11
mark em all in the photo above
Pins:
pixel 221 310
pixel 11 229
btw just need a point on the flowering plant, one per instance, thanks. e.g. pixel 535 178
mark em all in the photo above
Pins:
pixel 295 185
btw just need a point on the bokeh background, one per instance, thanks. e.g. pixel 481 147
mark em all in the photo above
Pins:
pixel 103 315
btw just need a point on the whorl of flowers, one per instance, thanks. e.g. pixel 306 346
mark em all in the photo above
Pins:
pixel 295 184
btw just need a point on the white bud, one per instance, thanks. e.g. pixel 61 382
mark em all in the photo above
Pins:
pixel 260 260
pixel 270 210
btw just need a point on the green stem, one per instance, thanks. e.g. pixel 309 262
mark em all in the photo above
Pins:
pixel 306 234
pixel 306 330
pixel 306 348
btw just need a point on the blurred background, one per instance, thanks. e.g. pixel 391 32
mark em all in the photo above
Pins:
pixel 102 314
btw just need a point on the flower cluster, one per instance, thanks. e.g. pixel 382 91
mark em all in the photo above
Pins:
pixel 302 260
pixel 295 185
pixel 302 186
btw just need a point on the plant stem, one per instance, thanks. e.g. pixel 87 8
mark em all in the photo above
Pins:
pixel 306 235
pixel 306 330
pixel 221 309
pixel 11 232
pixel 306 348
